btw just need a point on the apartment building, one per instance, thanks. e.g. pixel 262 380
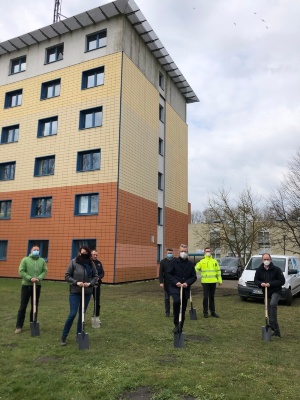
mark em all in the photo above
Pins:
pixel 94 144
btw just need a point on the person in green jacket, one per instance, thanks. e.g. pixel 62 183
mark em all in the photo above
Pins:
pixel 32 269
pixel 210 276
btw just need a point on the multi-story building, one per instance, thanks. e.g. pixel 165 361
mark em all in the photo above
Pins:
pixel 94 144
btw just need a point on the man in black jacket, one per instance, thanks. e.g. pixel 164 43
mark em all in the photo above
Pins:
pixel 270 276
pixel 181 274
pixel 97 289
pixel 164 266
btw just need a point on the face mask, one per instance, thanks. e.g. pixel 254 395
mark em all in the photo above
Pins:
pixel 208 254
pixel 169 255
pixel 35 252
pixel 84 255
pixel 183 255
pixel 267 262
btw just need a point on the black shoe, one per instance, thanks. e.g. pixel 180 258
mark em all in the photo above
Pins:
pixel 213 314
pixel 63 342
pixel 205 315
pixel 167 314
pixel 276 334
pixel 176 329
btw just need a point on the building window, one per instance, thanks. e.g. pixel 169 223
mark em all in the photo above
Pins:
pixel 159 256
pixel 10 134
pixel 50 89
pixel 160 147
pixel 90 118
pixel 43 245
pixel 92 78
pixel 47 126
pixel 86 204
pixel 18 65
pixel 161 113
pixel 160 181
pixel 3 249
pixel 54 53
pixel 96 40
pixel 77 243
pixel 159 216
pixel 161 81
pixel 7 171
pixel 88 160
pixel 263 241
pixel 5 209
pixel 41 207
pixel 13 99
pixel 44 166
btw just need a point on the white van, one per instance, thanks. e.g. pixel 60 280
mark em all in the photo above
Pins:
pixel 290 267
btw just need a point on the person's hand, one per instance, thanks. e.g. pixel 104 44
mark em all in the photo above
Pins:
pixel 86 284
pixel 34 279
pixel 178 284
pixel 220 284
pixel 80 284
pixel 185 285
pixel 267 284
pixel 161 285
pixel 263 284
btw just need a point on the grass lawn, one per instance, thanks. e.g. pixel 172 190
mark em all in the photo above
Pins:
pixel 133 352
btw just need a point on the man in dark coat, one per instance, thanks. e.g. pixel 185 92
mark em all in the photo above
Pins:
pixel 181 274
pixel 97 287
pixel 164 266
pixel 270 276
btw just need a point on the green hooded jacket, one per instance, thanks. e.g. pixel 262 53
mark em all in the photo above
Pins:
pixel 32 267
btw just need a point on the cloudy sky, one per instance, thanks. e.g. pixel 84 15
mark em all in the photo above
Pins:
pixel 242 60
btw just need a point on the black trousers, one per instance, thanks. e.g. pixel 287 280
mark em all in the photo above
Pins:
pixel 176 308
pixel 167 301
pixel 96 296
pixel 209 297
pixel 26 294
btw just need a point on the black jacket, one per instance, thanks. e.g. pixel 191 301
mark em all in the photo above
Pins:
pixel 181 271
pixel 273 275
pixel 76 272
pixel 163 268
pixel 100 270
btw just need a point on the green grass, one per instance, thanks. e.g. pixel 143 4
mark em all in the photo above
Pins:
pixel 223 359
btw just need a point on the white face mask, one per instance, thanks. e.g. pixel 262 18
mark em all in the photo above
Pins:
pixel 208 254
pixel 266 262
pixel 183 255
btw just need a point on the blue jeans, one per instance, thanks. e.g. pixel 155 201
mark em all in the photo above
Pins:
pixel 75 306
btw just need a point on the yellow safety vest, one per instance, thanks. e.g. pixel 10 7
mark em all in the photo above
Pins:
pixel 210 270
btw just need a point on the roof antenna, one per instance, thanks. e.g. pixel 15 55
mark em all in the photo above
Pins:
pixel 57 11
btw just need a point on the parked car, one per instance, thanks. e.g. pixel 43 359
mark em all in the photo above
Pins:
pixel 231 267
pixel 290 267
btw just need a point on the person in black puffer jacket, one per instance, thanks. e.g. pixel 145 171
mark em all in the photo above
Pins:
pixel 81 272
pixel 270 276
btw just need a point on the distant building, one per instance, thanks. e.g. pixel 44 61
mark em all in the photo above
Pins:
pixel 94 144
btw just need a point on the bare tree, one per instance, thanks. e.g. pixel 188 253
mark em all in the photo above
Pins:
pixel 285 203
pixel 234 223
pixel 196 217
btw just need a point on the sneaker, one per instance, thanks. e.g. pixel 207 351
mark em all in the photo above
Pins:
pixel 214 315
pixel 63 342
pixel 18 330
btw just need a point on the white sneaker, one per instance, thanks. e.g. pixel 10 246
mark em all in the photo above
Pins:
pixel 18 330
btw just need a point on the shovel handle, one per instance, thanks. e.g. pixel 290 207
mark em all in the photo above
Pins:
pixel 82 306
pixel 34 300
pixel 266 303
pixel 180 311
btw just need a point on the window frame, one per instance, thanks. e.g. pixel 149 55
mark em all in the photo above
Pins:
pixel 160 146
pixel 160 181
pixel 92 72
pixel 91 243
pixel 48 85
pixel 90 111
pixel 5 213
pixel 12 64
pixel 42 123
pixel 5 132
pixel 41 243
pixel 44 158
pixel 8 98
pixel 159 216
pixel 161 81
pixel 34 201
pixel 3 254
pixel 80 154
pixel 161 115
pixel 97 39
pixel 56 48
pixel 77 204
pixel 9 164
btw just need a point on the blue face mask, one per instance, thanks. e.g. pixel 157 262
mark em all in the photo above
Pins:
pixel 169 255
pixel 35 252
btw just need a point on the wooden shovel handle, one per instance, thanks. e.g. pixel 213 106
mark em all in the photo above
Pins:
pixel 266 302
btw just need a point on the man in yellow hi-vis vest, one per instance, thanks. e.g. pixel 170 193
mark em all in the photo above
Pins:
pixel 210 276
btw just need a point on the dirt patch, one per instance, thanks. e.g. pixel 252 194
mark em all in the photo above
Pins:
pixel 138 394
pixel 197 338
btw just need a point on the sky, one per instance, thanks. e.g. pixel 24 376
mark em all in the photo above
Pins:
pixel 242 60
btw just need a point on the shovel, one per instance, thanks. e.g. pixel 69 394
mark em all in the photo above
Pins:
pixel 95 320
pixel 34 325
pixel 83 338
pixel 179 335
pixel 266 330
pixel 193 312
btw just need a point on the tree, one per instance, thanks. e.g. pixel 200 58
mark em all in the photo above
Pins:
pixel 196 217
pixel 285 204
pixel 234 223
